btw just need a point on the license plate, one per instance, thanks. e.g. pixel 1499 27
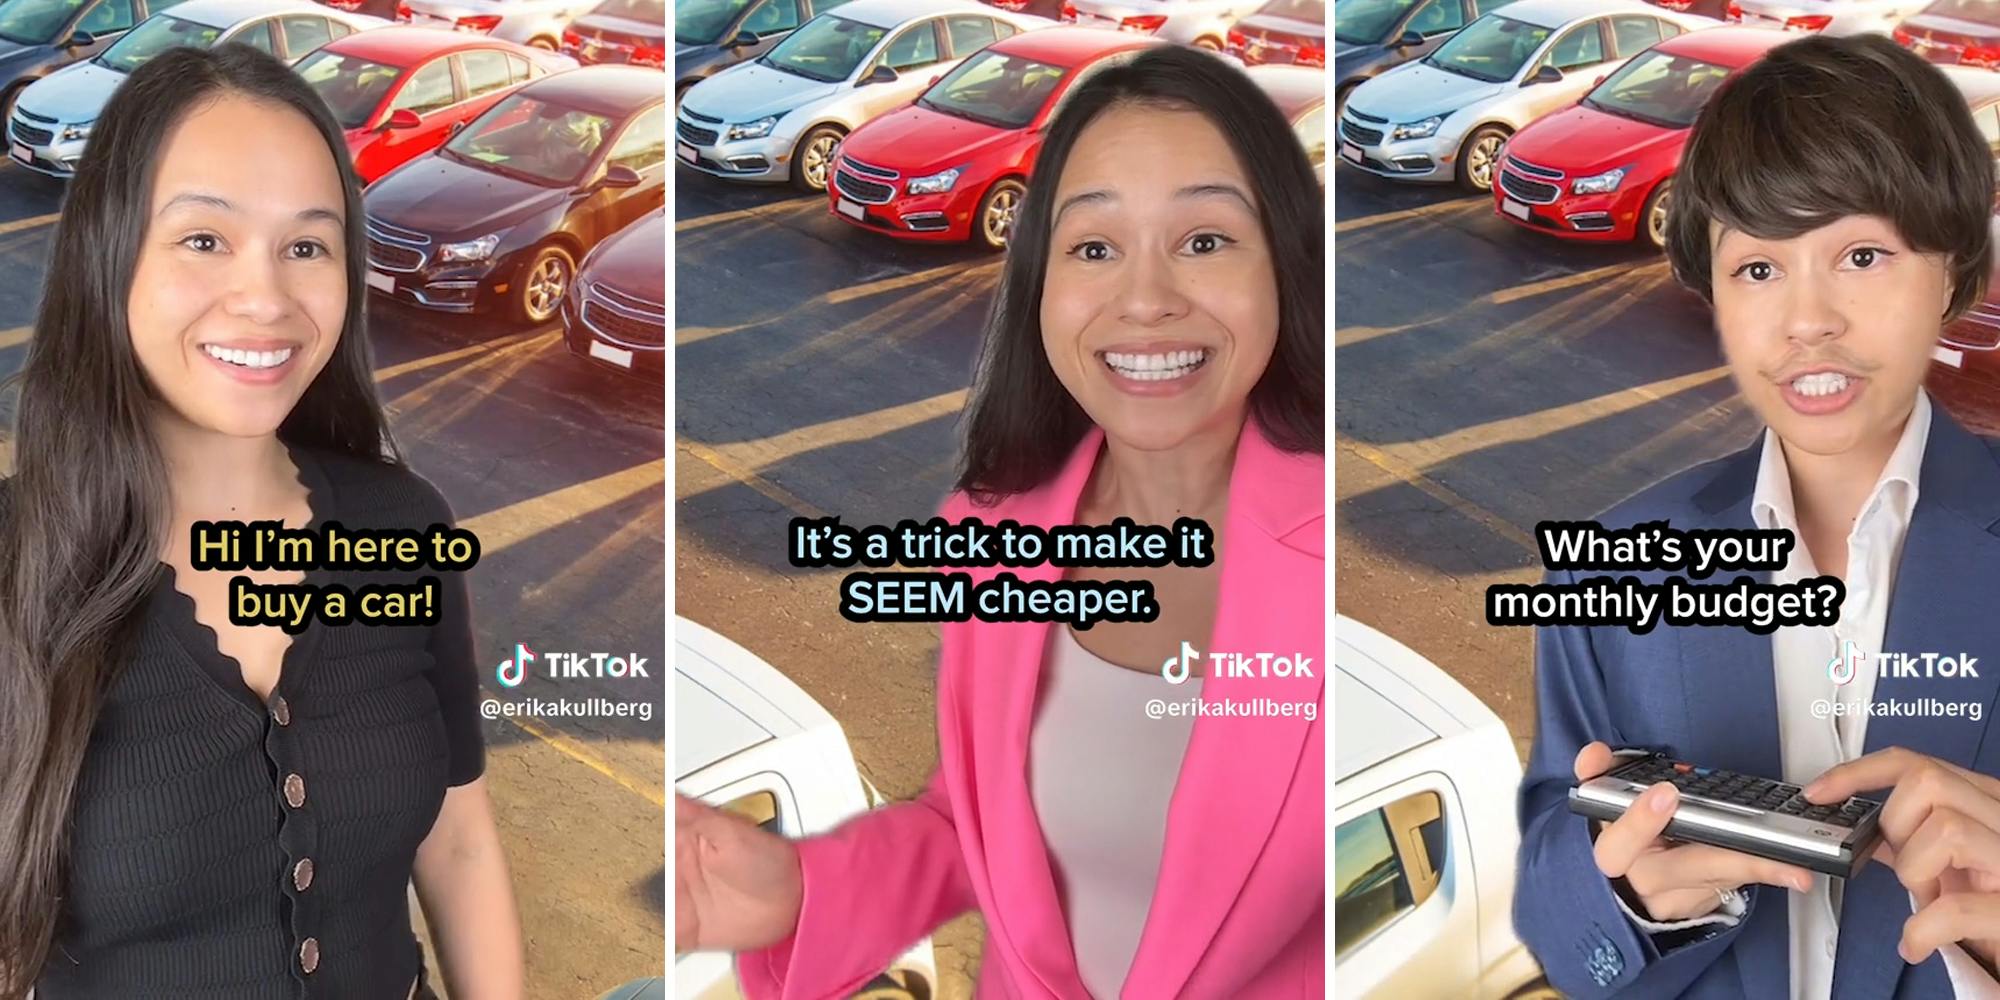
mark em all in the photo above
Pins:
pixel 684 151
pixel 1514 208
pixel 605 352
pixel 1950 356
pixel 852 210
pixel 21 153
pixel 381 282
pixel 1351 151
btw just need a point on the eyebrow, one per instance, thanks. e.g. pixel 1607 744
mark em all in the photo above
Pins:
pixel 212 201
pixel 1209 190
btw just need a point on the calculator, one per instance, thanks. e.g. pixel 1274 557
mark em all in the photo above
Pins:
pixel 1769 819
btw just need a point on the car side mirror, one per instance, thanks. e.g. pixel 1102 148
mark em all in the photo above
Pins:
pixel 80 39
pixel 619 175
pixel 743 40
pixel 456 128
pixel 401 118
pixel 1600 80
pixel 1409 40
pixel 1547 74
pixel 881 74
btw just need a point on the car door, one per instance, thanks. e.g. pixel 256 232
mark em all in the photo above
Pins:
pixel 487 76
pixel 642 146
pixel 770 21
pixel 105 20
pixel 300 34
pixel 1406 906
pixel 260 34
pixel 1583 53
pixel 917 53
pixel 425 90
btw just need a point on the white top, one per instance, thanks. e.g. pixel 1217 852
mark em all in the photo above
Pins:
pixel 1101 774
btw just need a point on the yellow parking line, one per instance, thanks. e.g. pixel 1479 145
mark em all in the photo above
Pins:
pixel 1534 288
pixel 577 752
pixel 497 529
pixel 29 223
pixel 1436 208
pixel 1436 451
pixel 867 288
pixel 1410 475
pixel 434 360
pixel 734 470
pixel 763 453
pixel 786 207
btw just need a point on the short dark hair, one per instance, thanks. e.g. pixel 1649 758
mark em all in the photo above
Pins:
pixel 1020 422
pixel 1824 128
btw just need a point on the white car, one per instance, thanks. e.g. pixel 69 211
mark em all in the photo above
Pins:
pixel 53 117
pixel 777 118
pixel 1200 23
pixel 1425 778
pixel 538 23
pixel 1832 17
pixel 1444 117
pixel 749 741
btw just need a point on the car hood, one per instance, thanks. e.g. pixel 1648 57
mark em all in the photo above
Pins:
pixel 1341 49
pixel 1414 92
pixel 450 200
pixel 1581 139
pixel 750 91
pixel 629 261
pixel 72 94
pixel 917 140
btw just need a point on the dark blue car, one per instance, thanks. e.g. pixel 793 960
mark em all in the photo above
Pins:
pixel 38 37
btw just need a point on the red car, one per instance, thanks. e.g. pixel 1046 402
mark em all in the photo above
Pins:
pixel 1603 170
pixel 1281 31
pixel 954 165
pixel 400 92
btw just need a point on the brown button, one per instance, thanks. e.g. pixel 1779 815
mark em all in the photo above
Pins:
pixel 309 955
pixel 302 874
pixel 295 791
pixel 281 711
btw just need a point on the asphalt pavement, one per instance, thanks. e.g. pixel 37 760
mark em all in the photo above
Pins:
pixel 558 468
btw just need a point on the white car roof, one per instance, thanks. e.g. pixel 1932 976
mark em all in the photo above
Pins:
pixel 727 700
pixel 224 13
pixel 1556 13
pixel 889 13
pixel 1389 700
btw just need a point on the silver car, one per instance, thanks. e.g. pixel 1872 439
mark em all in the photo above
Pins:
pixel 778 117
pixel 1445 117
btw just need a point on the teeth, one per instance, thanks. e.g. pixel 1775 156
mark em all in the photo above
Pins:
pixel 248 359
pixel 1820 384
pixel 1155 367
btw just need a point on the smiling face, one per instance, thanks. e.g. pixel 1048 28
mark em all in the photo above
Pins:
pixel 240 289
pixel 1160 305
pixel 1830 333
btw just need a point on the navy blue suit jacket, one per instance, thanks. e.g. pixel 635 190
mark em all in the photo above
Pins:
pixel 1707 694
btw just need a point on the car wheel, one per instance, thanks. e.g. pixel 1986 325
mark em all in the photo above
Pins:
pixel 541 285
pixel 545 43
pixel 812 161
pixel 1653 218
pixel 888 986
pixel 7 108
pixel 1479 157
pixel 1340 98
pixel 1211 44
pixel 993 224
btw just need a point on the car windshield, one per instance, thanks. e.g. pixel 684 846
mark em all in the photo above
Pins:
pixel 1493 48
pixel 1659 89
pixel 995 89
pixel 35 22
pixel 352 87
pixel 1298 10
pixel 1980 11
pixel 648 11
pixel 1367 22
pixel 153 36
pixel 532 140
pixel 701 22
pixel 826 48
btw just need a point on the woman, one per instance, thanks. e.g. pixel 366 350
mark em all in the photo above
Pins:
pixel 195 808
pixel 1155 352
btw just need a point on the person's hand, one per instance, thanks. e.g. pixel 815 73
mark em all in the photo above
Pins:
pixel 1941 836
pixel 736 887
pixel 1672 881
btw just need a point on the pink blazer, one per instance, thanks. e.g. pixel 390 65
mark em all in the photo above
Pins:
pixel 1240 905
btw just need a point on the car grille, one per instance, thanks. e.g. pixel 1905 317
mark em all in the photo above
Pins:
pixel 392 256
pixel 396 234
pixel 1360 136
pixel 1363 116
pixel 695 134
pixel 868 169
pixel 1535 169
pixel 619 327
pixel 1532 192
pixel 31 135
pixel 865 191
pixel 693 115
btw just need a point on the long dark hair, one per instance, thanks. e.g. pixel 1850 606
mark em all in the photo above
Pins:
pixel 88 506
pixel 1021 423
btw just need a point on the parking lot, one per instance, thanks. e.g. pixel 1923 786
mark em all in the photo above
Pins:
pixel 557 468
pixel 1488 378
pixel 820 372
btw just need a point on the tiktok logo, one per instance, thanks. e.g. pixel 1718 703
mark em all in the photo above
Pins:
pixel 511 672
pixel 1176 668
pixel 1841 668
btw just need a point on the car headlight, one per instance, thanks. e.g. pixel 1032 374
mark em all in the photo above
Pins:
pixel 1603 183
pixel 478 249
pixel 937 183
pixel 753 130
pixel 80 130
pixel 1417 130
